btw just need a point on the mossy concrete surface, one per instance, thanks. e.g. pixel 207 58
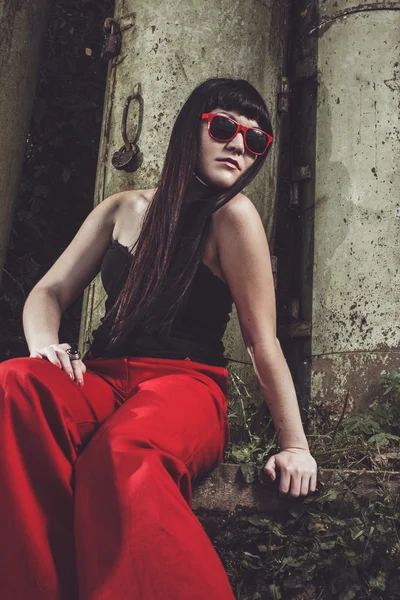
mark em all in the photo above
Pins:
pixel 244 487
pixel 356 275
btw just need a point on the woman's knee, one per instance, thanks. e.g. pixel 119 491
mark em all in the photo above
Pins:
pixel 114 452
pixel 18 368
pixel 19 377
pixel 13 371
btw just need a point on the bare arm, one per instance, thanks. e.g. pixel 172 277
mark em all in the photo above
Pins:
pixel 246 265
pixel 279 393
pixel 69 276
pixel 41 318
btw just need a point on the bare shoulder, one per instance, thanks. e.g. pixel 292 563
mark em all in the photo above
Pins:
pixel 245 263
pixel 132 205
pixel 239 214
pixel 135 201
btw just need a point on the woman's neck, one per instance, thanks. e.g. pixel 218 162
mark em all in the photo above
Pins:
pixel 201 181
pixel 199 190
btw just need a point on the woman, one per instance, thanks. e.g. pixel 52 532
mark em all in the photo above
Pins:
pixel 96 471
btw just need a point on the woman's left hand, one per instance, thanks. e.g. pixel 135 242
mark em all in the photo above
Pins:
pixel 298 471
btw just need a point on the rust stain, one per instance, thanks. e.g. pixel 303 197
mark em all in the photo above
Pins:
pixel 354 373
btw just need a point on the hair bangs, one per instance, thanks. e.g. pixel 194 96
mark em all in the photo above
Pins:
pixel 239 95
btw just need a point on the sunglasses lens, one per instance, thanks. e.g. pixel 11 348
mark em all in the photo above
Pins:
pixel 222 128
pixel 257 141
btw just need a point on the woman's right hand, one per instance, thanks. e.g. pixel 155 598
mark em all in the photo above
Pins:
pixel 57 354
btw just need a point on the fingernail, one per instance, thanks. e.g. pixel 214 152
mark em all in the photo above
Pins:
pixel 80 382
pixel 72 377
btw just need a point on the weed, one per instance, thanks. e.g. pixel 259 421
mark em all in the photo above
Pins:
pixel 338 545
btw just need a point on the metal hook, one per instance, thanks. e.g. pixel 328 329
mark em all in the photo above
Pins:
pixel 129 157
pixel 137 95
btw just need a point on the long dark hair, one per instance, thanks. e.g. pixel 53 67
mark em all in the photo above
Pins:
pixel 172 240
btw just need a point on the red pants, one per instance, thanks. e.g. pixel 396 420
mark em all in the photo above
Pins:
pixel 110 519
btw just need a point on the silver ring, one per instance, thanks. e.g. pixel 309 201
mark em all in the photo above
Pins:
pixel 73 353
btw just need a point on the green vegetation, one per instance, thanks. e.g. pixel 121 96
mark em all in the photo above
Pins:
pixel 336 441
pixel 332 545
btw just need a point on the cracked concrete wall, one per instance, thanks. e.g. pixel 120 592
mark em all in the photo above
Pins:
pixel 169 49
pixel 356 273
pixel 23 25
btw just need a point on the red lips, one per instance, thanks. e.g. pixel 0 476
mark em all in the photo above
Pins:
pixel 231 160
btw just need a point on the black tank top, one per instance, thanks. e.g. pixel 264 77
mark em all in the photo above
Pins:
pixel 197 329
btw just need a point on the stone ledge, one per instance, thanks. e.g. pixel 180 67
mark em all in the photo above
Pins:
pixel 233 487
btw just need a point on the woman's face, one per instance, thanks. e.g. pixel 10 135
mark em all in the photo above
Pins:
pixel 212 165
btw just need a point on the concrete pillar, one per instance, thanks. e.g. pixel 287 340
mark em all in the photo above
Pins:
pixel 356 265
pixel 22 26
pixel 169 49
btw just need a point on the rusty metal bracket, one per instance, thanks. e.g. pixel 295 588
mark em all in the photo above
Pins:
pixel 301 173
pixel 129 158
pixel 300 329
pixel 298 174
pixel 283 96
pixel 112 39
pixel 297 327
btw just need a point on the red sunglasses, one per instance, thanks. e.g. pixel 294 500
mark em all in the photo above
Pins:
pixel 223 129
